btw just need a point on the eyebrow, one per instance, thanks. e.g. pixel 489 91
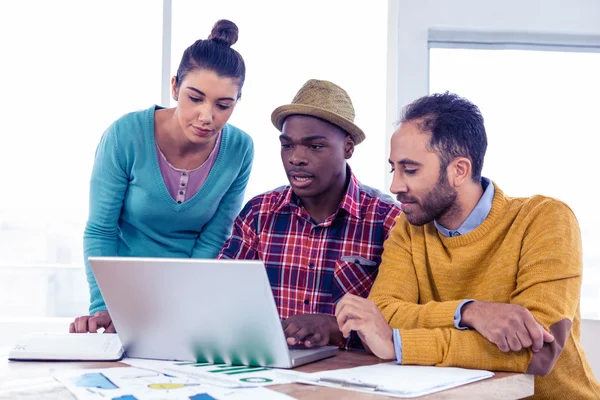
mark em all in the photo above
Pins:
pixel 406 161
pixel 201 93
pixel 305 139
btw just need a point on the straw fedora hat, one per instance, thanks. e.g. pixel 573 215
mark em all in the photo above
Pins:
pixel 324 100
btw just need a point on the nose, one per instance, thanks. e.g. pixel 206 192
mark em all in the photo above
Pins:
pixel 398 185
pixel 205 113
pixel 298 156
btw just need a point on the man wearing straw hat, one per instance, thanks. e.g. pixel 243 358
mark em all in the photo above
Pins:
pixel 321 236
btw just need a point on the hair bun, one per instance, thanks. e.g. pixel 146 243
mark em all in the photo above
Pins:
pixel 224 31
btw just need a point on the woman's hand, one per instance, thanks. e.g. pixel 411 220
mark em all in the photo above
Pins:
pixel 91 323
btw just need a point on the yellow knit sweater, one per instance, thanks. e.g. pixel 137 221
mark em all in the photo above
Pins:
pixel 526 252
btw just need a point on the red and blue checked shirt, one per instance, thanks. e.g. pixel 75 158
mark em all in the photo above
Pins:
pixel 311 266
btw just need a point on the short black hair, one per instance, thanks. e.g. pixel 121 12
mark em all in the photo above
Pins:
pixel 456 128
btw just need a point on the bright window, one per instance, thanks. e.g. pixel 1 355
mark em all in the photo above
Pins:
pixel 69 69
pixel 540 110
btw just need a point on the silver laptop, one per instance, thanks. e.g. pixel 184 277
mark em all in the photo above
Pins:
pixel 218 311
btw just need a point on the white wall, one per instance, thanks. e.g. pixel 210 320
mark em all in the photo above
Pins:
pixel 590 332
pixel 408 68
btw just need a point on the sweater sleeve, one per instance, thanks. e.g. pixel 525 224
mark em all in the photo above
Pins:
pixel 218 228
pixel 396 289
pixel 548 285
pixel 108 185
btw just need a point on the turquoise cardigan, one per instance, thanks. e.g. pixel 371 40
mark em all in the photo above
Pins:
pixel 132 212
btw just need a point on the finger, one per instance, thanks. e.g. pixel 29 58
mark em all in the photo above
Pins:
pixel 291 329
pixel 302 334
pixel 351 299
pixel 76 324
pixel 72 328
pixel 548 337
pixel 524 338
pixel 341 314
pixel 536 333
pixel 349 312
pixel 361 309
pixel 287 322
pixel 340 305
pixel 519 337
pixel 110 329
pixel 81 324
pixel 316 340
pixel 513 342
pixel 93 324
pixel 349 306
pixel 98 321
pixel 351 325
pixel 502 344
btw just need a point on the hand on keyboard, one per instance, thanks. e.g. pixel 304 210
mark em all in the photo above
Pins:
pixel 311 330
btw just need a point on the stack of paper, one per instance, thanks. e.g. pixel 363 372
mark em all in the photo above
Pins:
pixel 391 379
pixel 130 383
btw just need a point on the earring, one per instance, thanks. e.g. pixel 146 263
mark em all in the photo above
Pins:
pixel 175 97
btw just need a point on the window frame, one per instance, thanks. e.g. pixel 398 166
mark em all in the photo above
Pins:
pixel 414 26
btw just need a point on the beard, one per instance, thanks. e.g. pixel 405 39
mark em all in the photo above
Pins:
pixel 439 201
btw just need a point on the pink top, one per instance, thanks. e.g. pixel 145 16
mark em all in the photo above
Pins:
pixel 183 184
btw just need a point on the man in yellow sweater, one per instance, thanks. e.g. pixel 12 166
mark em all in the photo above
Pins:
pixel 470 277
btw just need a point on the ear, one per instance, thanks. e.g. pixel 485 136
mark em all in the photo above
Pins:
pixel 459 171
pixel 174 89
pixel 348 147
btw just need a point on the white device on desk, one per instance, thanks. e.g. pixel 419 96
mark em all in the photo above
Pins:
pixel 67 346
pixel 218 311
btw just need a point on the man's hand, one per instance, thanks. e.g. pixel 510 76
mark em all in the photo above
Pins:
pixel 508 326
pixel 362 315
pixel 312 330
pixel 91 323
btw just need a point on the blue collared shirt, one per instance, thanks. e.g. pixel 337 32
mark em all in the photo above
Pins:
pixel 476 218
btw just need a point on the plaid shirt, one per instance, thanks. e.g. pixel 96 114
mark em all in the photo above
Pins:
pixel 311 266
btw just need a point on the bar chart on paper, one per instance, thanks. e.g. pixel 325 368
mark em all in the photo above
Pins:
pixel 243 373
pixel 142 384
pixel 233 375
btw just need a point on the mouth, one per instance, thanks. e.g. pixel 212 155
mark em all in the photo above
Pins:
pixel 202 131
pixel 407 206
pixel 300 180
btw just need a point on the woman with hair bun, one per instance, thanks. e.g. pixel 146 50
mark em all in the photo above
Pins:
pixel 168 182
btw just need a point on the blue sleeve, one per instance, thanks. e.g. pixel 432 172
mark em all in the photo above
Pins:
pixel 108 185
pixel 218 228
pixel 458 315
pixel 398 345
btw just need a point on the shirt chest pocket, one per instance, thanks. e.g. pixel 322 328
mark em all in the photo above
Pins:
pixel 353 274
pixel 359 260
